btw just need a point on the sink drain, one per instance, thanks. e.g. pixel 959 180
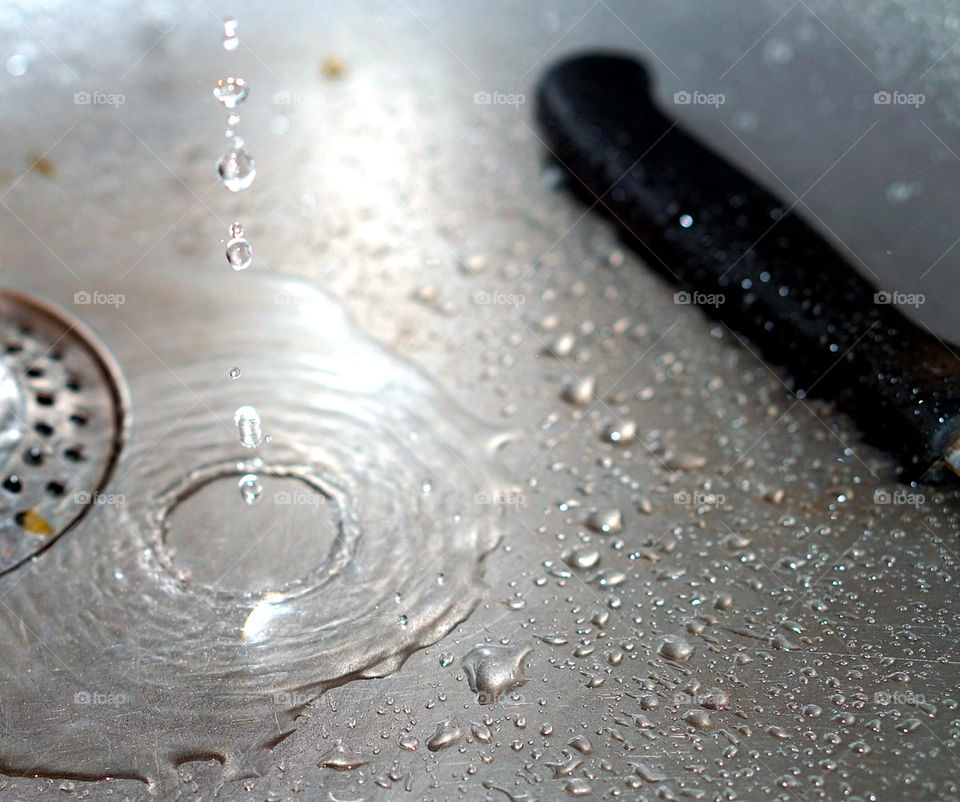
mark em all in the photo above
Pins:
pixel 61 422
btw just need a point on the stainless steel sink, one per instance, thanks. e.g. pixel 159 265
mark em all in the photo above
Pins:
pixel 599 548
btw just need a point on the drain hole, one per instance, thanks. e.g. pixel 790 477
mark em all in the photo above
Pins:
pixel 74 454
pixel 62 418
pixel 33 456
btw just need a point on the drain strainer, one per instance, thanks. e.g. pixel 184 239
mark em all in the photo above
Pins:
pixel 61 421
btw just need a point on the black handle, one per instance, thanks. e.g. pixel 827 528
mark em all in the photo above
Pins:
pixel 721 236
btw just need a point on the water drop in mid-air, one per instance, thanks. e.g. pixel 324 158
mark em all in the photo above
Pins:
pixel 248 426
pixel 250 488
pixel 230 91
pixel 239 250
pixel 230 39
pixel 235 372
pixel 236 168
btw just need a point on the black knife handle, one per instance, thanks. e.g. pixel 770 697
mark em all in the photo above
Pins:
pixel 719 235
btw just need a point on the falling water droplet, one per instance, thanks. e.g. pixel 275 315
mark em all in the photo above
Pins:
pixel 239 250
pixel 230 39
pixel 248 425
pixel 230 91
pixel 235 372
pixel 236 168
pixel 17 65
pixel 250 488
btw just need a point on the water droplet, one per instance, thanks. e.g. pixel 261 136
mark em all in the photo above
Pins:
pixel 778 51
pixel 17 65
pixel 605 522
pixel 675 648
pixel 239 251
pixel 248 425
pixel 698 718
pixel 340 759
pixel 230 39
pixel 235 372
pixel 902 191
pixel 621 432
pixel 481 732
pixel 231 91
pixel 250 488
pixel 408 742
pixel 582 558
pixel 562 345
pixel 236 168
pixel 578 787
pixel 580 392
pixel 494 670
pixel 447 734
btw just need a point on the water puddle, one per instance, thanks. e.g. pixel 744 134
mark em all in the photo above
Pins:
pixel 177 623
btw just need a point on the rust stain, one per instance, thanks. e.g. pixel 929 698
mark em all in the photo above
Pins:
pixel 42 165
pixel 36 524
pixel 332 67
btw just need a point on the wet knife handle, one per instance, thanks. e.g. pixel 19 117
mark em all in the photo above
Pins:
pixel 750 260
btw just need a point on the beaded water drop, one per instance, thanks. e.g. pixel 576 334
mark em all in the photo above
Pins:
pixel 230 38
pixel 247 420
pixel 235 167
pixel 239 251
pixel 230 92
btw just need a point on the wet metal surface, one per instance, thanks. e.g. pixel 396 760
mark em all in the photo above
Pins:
pixel 703 587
